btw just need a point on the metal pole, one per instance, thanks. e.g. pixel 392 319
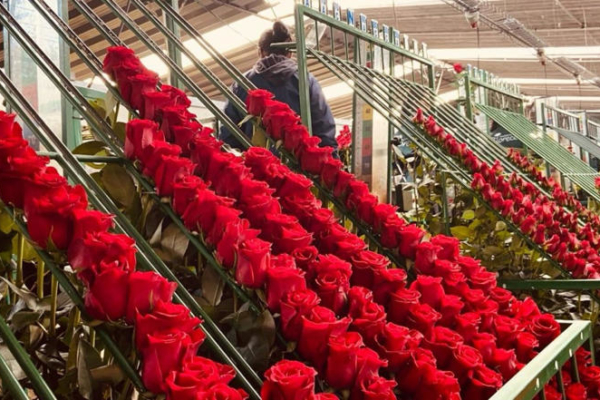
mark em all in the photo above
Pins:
pixel 174 52
pixel 303 84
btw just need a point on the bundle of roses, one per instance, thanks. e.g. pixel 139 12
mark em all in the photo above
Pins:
pixel 345 338
pixel 547 223
pixel 167 337
pixel 344 139
pixel 561 196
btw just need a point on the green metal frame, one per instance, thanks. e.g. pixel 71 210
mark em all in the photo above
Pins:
pixel 530 381
pixel 472 83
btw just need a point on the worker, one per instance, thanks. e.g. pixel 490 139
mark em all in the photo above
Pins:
pixel 277 72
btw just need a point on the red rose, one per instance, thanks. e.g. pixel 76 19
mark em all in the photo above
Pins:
pixel 184 134
pixel 525 344
pixel 42 183
pixel 164 353
pixel 458 68
pixel 365 264
pixel 285 232
pixel 422 317
pixel 369 320
pixel 294 136
pixel 503 297
pixel 257 159
pixel 277 123
pixel 442 342
pixel 400 303
pixel 174 116
pixel 141 133
pixel 234 234
pixel 387 281
pixel 316 328
pixel 8 127
pixel 420 362
pixel 395 344
pixel 154 154
pixel 218 164
pixel 153 103
pixel 467 325
pixel 294 305
pixel 505 362
pixel 202 149
pixel 184 192
pixel 376 388
pixel 200 213
pixel 438 384
pixel 576 391
pixel 313 159
pixel 474 298
pixel 293 184
pixel 140 84
pixel 223 392
pixel 364 209
pixel 482 383
pixel 431 289
pixel 342 361
pixel 590 377
pixel 50 218
pixel 384 212
pixel 324 396
pixel 321 220
pixel 450 308
pixel 341 186
pixel 288 380
pixel 164 316
pixel 390 231
pixel 358 298
pixel 197 374
pixel 483 280
pixel 145 290
pixel 304 256
pixel 256 101
pixel 330 171
pixel 282 279
pixel 253 261
pixel 179 97
pixel 369 365
pixel 545 328
pixel 224 216
pixel 230 178
pixel 90 221
pixel 450 247
pixel 331 281
pixel 116 56
pixel 507 330
pixel 260 207
pixel 170 170
pixel 464 359
pixel 107 297
pixel 86 253
pixel 455 283
pixel 425 257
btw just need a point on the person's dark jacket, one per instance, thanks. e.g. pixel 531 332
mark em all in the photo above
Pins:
pixel 279 75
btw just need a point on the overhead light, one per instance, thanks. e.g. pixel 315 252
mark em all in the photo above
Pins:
pixel 515 28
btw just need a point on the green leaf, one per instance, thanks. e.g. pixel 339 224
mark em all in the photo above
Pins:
pixel 30 299
pixel 119 184
pixel 119 130
pixel 6 223
pixel 461 232
pixel 98 105
pixel 468 215
pixel 247 118
pixel 259 138
pixel 90 148
pixel 174 242
pixel 212 286
pixel 88 358
pixel 500 226
pixel 23 318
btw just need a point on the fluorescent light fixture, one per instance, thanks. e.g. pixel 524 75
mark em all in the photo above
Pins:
pixel 534 81
pixel 578 98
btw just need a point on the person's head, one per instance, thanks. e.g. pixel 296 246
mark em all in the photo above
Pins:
pixel 278 34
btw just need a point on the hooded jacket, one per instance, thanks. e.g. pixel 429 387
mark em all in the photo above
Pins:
pixel 279 75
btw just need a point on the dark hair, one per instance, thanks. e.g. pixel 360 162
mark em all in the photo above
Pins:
pixel 278 34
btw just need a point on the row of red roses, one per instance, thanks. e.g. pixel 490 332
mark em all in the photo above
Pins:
pixel 561 196
pixel 137 140
pixel 235 242
pixel 58 219
pixel 547 223
pixel 262 103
